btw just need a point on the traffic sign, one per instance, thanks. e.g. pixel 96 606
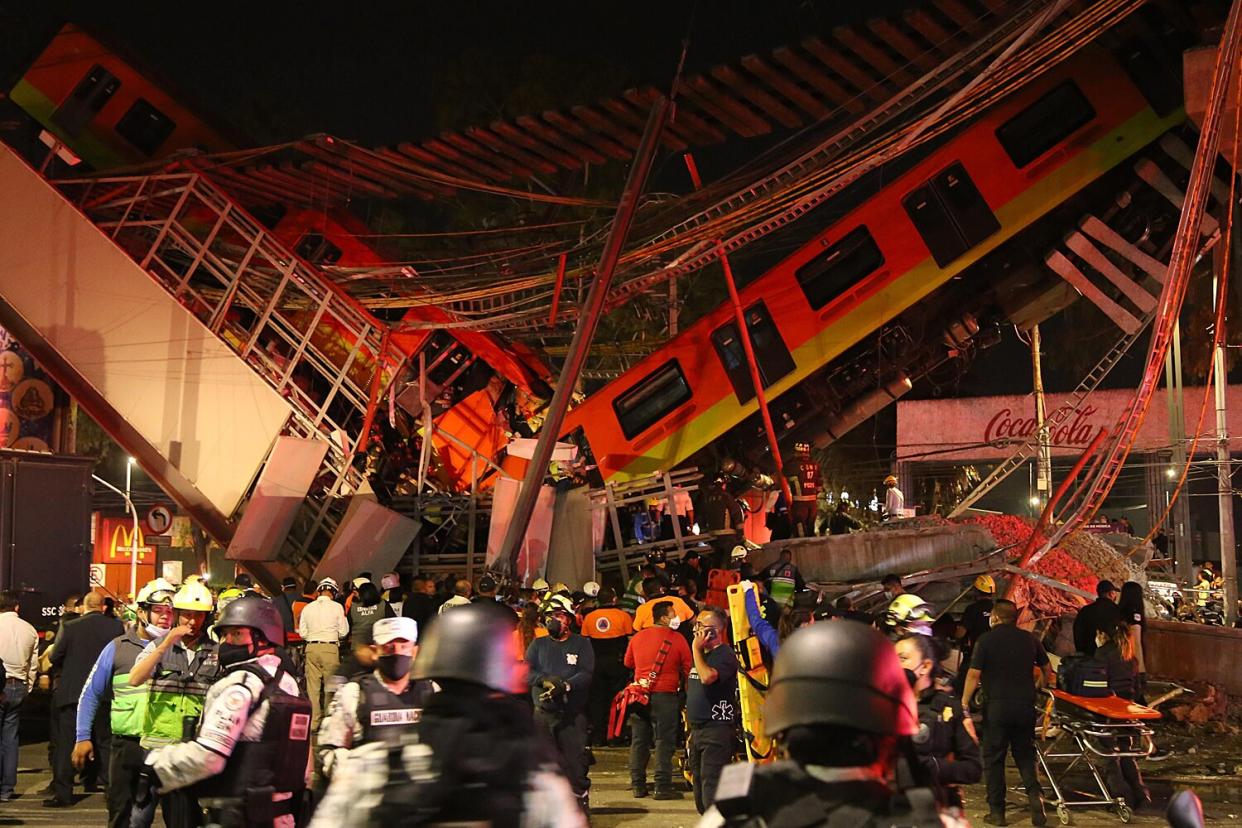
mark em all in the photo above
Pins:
pixel 159 520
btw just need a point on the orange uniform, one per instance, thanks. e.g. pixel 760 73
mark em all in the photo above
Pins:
pixel 607 622
pixel 642 615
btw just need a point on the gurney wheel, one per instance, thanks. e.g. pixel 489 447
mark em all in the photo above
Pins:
pixel 1063 814
pixel 1124 812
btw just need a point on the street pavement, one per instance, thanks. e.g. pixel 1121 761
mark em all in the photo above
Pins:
pixel 612 805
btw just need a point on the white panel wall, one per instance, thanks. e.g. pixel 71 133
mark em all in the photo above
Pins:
pixel 163 372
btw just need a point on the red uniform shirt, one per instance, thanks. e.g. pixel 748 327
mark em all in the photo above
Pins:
pixel 641 653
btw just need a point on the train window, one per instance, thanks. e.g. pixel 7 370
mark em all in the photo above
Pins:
pixel 771 354
pixel 1045 123
pixel 839 267
pixel 145 127
pixel 317 250
pixel 651 398
pixel 950 214
pixel 94 90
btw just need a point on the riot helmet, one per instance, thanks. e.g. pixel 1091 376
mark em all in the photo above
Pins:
pixel 473 643
pixel 842 674
pixel 257 613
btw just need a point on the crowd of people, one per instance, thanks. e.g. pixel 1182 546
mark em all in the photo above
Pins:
pixel 246 709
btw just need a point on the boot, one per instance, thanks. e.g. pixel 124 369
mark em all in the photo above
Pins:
pixel 1038 817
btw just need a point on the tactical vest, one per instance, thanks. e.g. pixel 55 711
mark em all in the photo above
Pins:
pixel 274 763
pixel 129 704
pixel 177 693
pixel 383 715
pixel 784 794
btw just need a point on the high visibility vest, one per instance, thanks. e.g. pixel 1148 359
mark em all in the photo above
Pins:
pixel 129 704
pixel 177 694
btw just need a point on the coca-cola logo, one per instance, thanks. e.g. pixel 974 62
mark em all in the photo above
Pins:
pixel 1005 427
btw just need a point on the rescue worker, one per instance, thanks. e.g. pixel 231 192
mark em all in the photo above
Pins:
pixel 562 664
pixel 908 613
pixel 841 523
pixel 976 618
pixel 655 591
pixel 108 683
pixel 380 706
pixel 181 666
pixel 475 756
pixel 711 705
pixel 946 742
pixel 322 626
pixel 894 500
pixel 783 578
pixel 842 713
pixel 609 627
pixel 804 486
pixel 246 764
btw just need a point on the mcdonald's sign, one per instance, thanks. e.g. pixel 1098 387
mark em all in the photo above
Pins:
pixel 113 537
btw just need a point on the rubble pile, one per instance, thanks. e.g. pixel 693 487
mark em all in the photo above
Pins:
pixel 1080 560
pixel 1105 560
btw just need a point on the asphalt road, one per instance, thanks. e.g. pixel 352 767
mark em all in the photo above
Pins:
pixel 613 805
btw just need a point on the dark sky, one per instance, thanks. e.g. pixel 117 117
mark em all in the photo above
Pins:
pixel 380 72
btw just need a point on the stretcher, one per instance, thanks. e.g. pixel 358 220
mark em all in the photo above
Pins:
pixel 1091 732
pixel 752 677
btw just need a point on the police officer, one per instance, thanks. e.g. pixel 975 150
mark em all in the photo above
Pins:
pixel 381 705
pixel 946 743
pixel 247 762
pixel 474 755
pixel 180 666
pixel 842 713
pixel 562 664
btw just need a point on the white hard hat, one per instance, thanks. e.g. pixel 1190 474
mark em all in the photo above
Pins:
pixel 390 581
pixel 329 583
pixel 591 588
pixel 360 581
pixel 738 552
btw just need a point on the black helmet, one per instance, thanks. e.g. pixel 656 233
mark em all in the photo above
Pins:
pixel 657 556
pixel 471 643
pixel 257 613
pixel 840 673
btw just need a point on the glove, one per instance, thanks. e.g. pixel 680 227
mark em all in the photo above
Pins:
pixel 746 585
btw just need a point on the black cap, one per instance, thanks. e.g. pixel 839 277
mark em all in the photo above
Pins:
pixel 487 584
pixel 1105 587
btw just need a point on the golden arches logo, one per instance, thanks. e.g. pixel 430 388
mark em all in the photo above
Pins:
pixel 123 538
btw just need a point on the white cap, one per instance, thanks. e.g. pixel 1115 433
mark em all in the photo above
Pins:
pixel 591 589
pixel 360 581
pixel 391 629
pixel 390 581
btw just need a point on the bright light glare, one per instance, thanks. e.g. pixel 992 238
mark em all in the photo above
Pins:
pixel 1170 472
pixel 1035 500
pixel 130 461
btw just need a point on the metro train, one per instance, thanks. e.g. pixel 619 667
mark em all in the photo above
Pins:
pixel 112 114
pixel 998 175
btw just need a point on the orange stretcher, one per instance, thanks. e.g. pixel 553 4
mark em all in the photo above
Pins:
pixel 1092 732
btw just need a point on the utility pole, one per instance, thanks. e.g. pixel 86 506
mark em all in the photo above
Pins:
pixel 588 321
pixel 1043 459
pixel 1177 438
pixel 1224 460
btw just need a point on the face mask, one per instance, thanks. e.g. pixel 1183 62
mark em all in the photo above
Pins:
pixel 156 631
pixel 393 667
pixel 555 627
pixel 674 623
pixel 911 676
pixel 230 654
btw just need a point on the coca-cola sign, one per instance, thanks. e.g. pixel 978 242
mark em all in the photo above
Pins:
pixel 1008 427
pixel 992 428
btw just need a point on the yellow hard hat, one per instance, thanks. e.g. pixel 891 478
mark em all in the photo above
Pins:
pixel 890 479
pixel 194 597
pixel 986 583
